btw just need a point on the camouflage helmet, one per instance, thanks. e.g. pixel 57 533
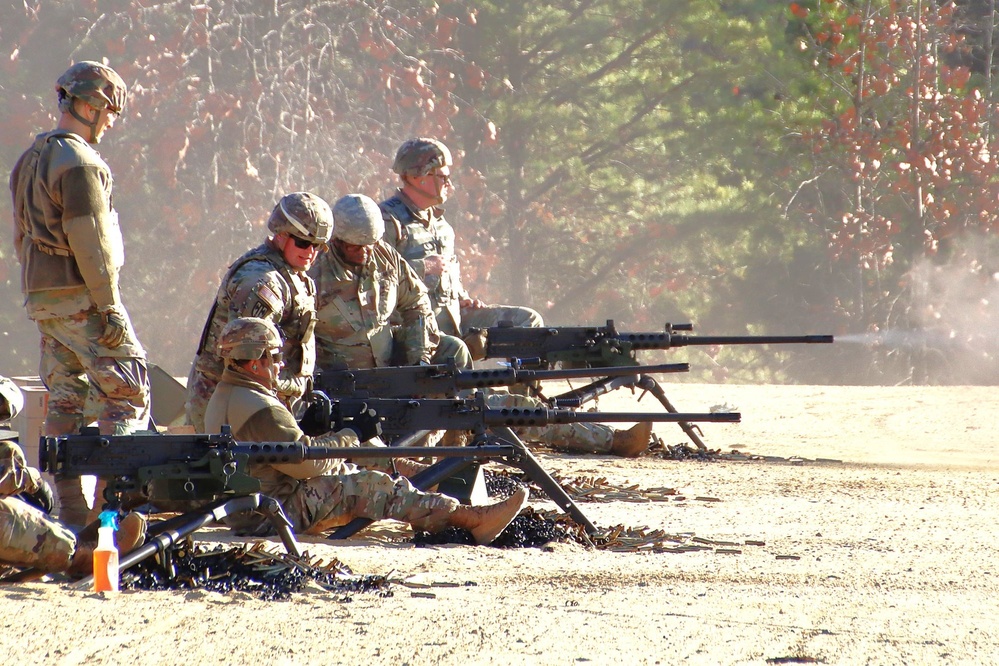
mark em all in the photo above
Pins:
pixel 358 220
pixel 94 83
pixel 418 157
pixel 11 399
pixel 304 215
pixel 247 338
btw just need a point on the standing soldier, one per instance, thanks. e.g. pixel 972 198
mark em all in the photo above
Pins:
pixel 269 282
pixel 70 247
pixel 415 226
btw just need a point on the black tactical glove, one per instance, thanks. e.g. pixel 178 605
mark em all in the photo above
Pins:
pixel 315 420
pixel 115 329
pixel 367 424
pixel 42 498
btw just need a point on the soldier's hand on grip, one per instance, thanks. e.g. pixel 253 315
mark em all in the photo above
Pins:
pixel 115 329
pixel 367 425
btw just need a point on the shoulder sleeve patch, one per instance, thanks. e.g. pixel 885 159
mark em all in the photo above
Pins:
pixel 267 298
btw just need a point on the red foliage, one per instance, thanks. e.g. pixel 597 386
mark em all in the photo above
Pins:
pixel 909 139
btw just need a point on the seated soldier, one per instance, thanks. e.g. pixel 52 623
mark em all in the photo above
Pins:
pixel 362 282
pixel 320 495
pixel 269 281
pixel 362 287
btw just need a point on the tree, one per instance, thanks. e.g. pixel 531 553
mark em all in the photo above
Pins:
pixel 637 154
pixel 231 105
pixel 903 173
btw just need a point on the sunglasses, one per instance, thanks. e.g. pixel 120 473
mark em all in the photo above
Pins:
pixel 303 244
pixel 277 357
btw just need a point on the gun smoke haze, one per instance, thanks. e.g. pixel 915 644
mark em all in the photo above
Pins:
pixel 947 329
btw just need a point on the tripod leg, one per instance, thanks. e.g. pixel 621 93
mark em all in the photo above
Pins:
pixel 537 473
pixel 649 384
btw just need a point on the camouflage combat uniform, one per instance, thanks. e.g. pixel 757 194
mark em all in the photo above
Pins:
pixel 354 310
pixel 417 233
pixel 258 284
pixel 316 495
pixel 70 248
pixel 28 537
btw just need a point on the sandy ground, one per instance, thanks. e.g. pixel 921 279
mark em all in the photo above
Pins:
pixel 872 510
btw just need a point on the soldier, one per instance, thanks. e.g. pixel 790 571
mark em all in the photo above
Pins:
pixel 29 538
pixel 69 244
pixel 361 284
pixel 269 281
pixel 320 495
pixel 415 226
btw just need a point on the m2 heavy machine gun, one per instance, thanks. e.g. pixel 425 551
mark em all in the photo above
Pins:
pixel 416 381
pixel 412 418
pixel 605 347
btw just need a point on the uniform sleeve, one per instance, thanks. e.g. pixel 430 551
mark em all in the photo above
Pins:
pixel 446 236
pixel 15 475
pixel 256 290
pixel 18 230
pixel 418 333
pixel 276 424
pixel 91 232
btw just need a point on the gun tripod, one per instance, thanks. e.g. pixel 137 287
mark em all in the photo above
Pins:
pixel 498 443
pixel 593 390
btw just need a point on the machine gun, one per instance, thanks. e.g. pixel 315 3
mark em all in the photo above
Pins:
pixel 605 347
pixel 416 381
pixel 405 416
pixel 411 418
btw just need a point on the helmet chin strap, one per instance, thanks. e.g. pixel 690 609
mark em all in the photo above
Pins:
pixel 92 124
pixel 435 198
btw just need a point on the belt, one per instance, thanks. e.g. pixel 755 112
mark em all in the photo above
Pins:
pixel 54 251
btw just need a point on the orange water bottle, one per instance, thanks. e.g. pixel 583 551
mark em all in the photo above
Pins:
pixel 106 554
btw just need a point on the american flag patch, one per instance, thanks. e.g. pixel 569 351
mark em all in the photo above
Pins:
pixel 268 297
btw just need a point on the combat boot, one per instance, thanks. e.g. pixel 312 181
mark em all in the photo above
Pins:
pixel 131 534
pixel 632 442
pixel 486 522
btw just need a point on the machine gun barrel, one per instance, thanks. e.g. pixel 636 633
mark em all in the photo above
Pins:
pixel 125 455
pixel 667 340
pixel 447 380
pixel 399 417
pixel 604 346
